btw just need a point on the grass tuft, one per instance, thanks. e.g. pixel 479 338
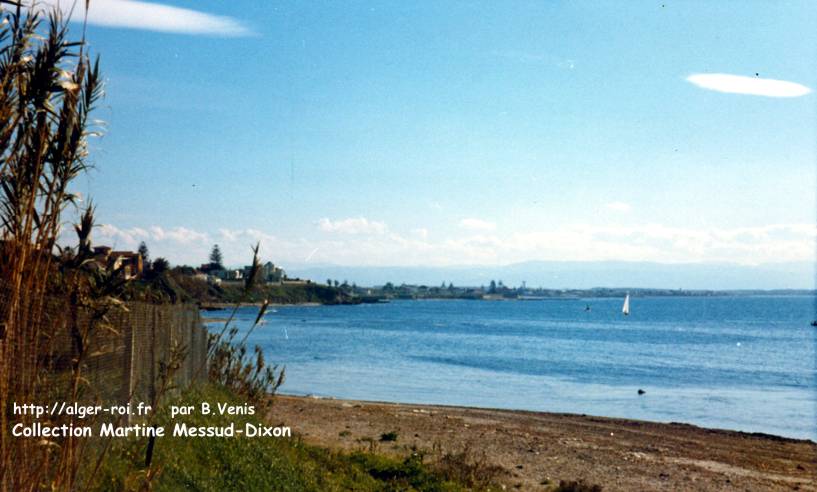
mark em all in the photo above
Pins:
pixel 577 486
pixel 274 464
pixel 388 437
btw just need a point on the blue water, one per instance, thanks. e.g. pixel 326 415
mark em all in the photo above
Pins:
pixel 743 363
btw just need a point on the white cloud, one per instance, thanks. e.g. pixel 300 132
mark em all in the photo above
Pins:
pixel 580 242
pixel 126 237
pixel 577 242
pixel 133 14
pixel 739 84
pixel 130 238
pixel 236 247
pixel 182 245
pixel 420 232
pixel 473 224
pixel 353 225
pixel 228 235
pixel 181 235
pixel 618 206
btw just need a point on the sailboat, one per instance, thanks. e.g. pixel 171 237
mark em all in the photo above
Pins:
pixel 626 308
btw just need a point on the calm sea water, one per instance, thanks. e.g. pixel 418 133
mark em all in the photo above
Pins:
pixel 744 363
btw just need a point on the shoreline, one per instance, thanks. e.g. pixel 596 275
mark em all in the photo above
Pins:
pixel 220 306
pixel 520 411
pixel 213 306
pixel 537 449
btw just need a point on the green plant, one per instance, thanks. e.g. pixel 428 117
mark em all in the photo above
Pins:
pixel 467 468
pixel 275 464
pixel 388 436
pixel 577 486
pixel 228 361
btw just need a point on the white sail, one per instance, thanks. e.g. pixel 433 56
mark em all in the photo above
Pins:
pixel 626 308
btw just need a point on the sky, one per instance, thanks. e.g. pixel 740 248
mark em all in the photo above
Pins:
pixel 457 133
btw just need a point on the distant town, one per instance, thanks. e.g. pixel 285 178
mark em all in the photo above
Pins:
pixel 212 282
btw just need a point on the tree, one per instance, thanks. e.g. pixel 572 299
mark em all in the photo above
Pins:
pixel 160 265
pixel 215 258
pixel 492 288
pixel 143 250
pixel 145 254
pixel 329 282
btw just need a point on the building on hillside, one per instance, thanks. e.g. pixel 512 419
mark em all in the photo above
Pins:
pixel 129 264
pixel 272 273
pixel 268 273
pixel 228 274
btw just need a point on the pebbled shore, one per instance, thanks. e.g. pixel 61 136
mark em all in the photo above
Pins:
pixel 539 449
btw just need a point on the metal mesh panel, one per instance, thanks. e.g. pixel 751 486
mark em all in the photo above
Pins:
pixel 125 353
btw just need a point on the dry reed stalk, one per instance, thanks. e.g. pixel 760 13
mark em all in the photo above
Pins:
pixel 48 88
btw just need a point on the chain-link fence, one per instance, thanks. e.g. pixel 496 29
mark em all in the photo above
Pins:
pixel 148 343
pixel 78 350
pixel 126 353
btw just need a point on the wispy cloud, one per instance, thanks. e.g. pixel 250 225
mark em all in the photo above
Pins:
pixel 618 206
pixel 354 225
pixel 133 14
pixel 755 86
pixel 473 224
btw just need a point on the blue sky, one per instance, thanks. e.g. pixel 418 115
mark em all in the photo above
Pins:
pixel 447 133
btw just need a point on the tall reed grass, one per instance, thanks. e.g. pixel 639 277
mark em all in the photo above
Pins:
pixel 49 87
pixel 230 365
pixel 50 294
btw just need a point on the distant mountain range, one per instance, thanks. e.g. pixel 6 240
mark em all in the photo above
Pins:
pixel 579 275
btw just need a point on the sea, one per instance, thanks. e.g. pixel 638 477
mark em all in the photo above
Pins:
pixel 744 363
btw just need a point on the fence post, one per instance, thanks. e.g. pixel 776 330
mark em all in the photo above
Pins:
pixel 153 356
pixel 128 356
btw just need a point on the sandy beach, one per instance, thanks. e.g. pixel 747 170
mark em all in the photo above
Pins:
pixel 536 450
